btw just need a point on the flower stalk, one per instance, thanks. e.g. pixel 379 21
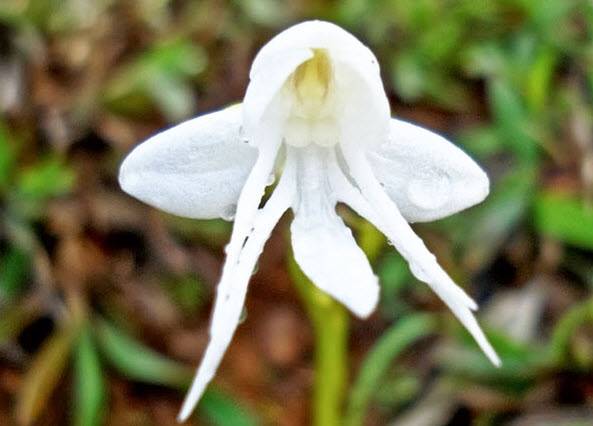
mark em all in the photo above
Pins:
pixel 330 327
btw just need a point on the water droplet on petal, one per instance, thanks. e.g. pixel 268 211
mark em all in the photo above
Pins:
pixel 430 194
pixel 255 268
pixel 243 134
pixel 243 315
pixel 229 212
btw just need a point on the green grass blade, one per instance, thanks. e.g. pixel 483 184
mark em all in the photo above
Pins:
pixel 89 383
pixel 394 341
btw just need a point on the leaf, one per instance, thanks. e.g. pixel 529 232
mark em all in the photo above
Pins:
pixel 511 117
pixel 394 275
pixel 139 362
pixel 521 362
pixel 7 158
pixel 564 217
pixel 43 375
pixel 394 341
pixel 49 178
pixel 89 383
pixel 188 292
pixel 494 219
pixel 161 76
pixel 221 410
pixel 13 270
pixel 565 328
pixel 539 79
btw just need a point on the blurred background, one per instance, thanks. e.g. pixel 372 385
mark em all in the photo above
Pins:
pixel 105 302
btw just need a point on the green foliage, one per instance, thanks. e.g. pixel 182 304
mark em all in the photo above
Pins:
pixel 394 341
pixel 89 404
pixel 46 179
pixel 564 217
pixel 159 76
pixel 220 410
pixel 138 362
pixel 14 267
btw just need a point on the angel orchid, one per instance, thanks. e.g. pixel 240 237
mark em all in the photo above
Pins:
pixel 315 108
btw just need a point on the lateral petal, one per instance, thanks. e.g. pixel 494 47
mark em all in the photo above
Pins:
pixel 323 246
pixel 377 207
pixel 425 175
pixel 231 291
pixel 195 169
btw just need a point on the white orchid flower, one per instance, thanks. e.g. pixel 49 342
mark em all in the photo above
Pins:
pixel 316 109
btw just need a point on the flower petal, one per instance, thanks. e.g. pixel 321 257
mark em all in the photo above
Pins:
pixel 358 81
pixel 323 246
pixel 385 215
pixel 265 85
pixel 425 175
pixel 313 35
pixel 233 287
pixel 196 169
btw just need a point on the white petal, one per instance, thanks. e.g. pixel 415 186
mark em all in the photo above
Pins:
pixel 427 176
pixel 313 35
pixel 323 246
pixel 386 216
pixel 264 86
pixel 233 286
pixel 358 81
pixel 196 169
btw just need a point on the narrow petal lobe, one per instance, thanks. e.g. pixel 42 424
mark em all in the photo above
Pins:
pixel 385 215
pixel 232 288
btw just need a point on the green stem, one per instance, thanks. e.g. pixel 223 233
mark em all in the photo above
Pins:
pixel 330 326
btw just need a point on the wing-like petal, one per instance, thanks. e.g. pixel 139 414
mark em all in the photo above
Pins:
pixel 195 169
pixel 233 287
pixel 425 175
pixel 377 207
pixel 323 246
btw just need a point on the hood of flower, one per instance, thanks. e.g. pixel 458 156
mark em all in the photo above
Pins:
pixel 311 93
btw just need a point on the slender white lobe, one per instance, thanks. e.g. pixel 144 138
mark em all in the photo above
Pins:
pixel 422 263
pixel 233 287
